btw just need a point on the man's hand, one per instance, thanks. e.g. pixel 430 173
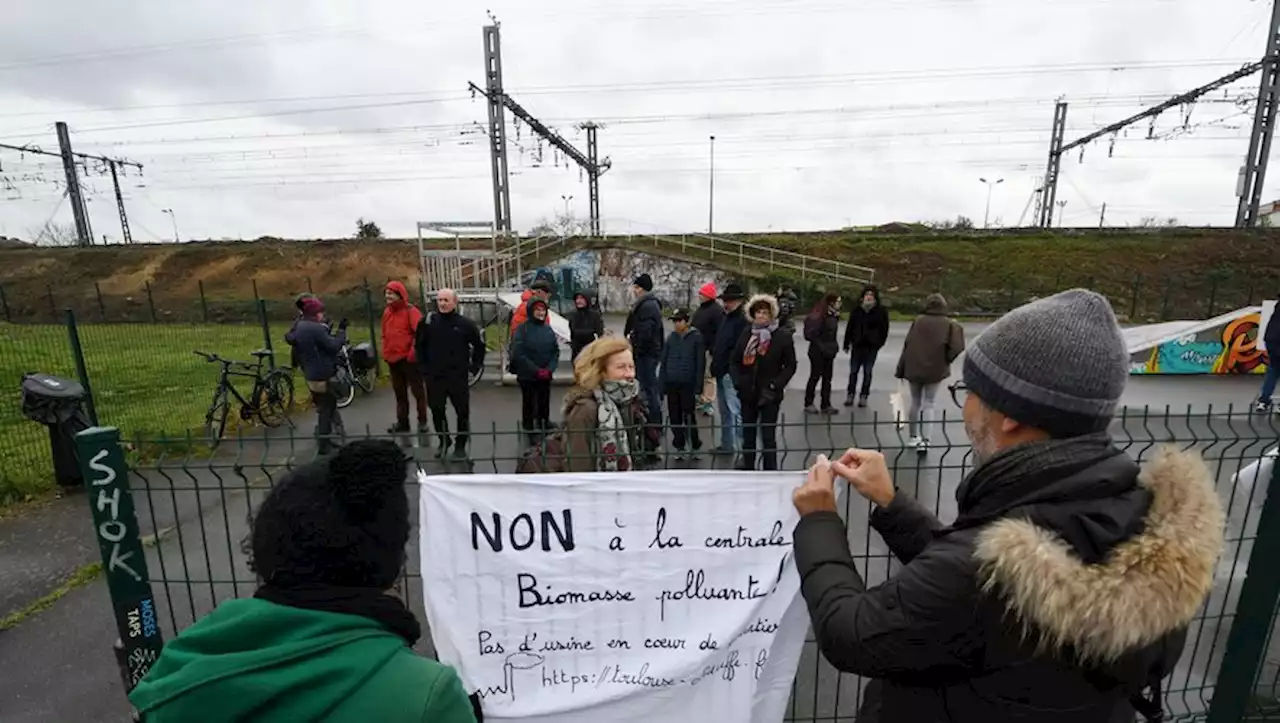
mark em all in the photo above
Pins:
pixel 342 325
pixel 867 472
pixel 818 493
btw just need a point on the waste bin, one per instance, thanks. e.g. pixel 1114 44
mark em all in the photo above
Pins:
pixel 58 403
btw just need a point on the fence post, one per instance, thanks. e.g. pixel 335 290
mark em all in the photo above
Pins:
pixel 123 560
pixel 82 370
pixel 102 308
pixel 1164 303
pixel 204 304
pixel 53 306
pixel 266 333
pixel 4 303
pixel 1213 295
pixel 373 323
pixel 255 290
pixel 151 302
pixel 312 291
pixel 1246 643
pixel 1133 302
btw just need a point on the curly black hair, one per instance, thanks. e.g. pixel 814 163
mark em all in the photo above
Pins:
pixel 340 520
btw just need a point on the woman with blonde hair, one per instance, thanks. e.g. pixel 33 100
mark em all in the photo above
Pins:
pixel 604 415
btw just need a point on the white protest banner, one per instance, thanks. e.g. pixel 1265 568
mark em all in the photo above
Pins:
pixel 624 597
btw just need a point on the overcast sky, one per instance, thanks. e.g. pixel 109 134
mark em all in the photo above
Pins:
pixel 293 119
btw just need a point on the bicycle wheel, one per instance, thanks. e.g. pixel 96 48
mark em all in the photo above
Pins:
pixel 343 387
pixel 366 380
pixel 215 420
pixel 473 378
pixel 275 398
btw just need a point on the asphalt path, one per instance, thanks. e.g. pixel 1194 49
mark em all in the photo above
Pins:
pixel 58 664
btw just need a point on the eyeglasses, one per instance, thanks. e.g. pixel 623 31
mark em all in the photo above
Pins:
pixel 959 392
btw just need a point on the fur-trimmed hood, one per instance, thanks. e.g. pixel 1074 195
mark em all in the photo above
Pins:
pixel 772 301
pixel 1148 586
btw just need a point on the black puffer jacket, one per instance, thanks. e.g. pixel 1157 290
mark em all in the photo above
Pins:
pixel 585 324
pixel 825 344
pixel 1050 563
pixel 708 319
pixel 684 359
pixel 644 326
pixel 735 322
pixel 867 330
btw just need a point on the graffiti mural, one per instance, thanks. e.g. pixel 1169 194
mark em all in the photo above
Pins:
pixel 609 273
pixel 1229 349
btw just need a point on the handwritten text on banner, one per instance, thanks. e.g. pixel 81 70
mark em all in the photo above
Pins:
pixel 665 596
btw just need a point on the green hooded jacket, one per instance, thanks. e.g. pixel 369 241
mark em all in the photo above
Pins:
pixel 253 660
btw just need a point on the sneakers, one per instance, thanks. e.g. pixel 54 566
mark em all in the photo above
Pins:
pixel 1261 407
pixel 862 402
pixel 830 410
pixel 920 444
pixel 848 401
pixel 460 454
pixel 810 409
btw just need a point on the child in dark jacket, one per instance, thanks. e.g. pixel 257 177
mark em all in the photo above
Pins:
pixel 684 359
pixel 586 324
pixel 535 353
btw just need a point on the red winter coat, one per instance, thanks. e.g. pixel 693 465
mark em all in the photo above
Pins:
pixel 399 323
pixel 521 313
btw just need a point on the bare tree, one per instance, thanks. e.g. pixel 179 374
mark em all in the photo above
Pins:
pixel 562 224
pixel 55 234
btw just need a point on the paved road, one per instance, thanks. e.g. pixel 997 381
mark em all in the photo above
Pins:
pixel 59 666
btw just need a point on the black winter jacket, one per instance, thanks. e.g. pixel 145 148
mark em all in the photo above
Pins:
pixel 684 360
pixel 826 344
pixel 534 346
pixel 765 381
pixel 867 330
pixel 735 322
pixel 585 326
pixel 708 318
pixel 316 350
pixel 644 326
pixel 449 346
pixel 990 618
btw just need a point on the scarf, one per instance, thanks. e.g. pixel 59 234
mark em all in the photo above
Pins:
pixel 366 602
pixel 611 428
pixel 1027 474
pixel 758 342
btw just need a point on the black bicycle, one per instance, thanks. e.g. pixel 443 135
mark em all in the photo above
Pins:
pixel 270 400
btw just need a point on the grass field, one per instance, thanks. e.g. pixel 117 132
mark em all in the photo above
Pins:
pixel 145 381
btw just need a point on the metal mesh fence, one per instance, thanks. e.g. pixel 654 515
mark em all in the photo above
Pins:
pixel 201 512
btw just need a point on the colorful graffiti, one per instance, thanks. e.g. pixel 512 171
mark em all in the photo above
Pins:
pixel 1229 349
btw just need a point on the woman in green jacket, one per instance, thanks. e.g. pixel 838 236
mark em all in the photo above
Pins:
pixel 323 638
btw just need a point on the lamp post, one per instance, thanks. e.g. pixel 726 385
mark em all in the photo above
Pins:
pixel 711 199
pixel 991 185
pixel 566 200
pixel 174 218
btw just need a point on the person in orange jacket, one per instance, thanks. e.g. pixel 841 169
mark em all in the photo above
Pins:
pixel 399 323
pixel 542 289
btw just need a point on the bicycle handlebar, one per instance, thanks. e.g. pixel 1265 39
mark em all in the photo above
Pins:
pixel 215 359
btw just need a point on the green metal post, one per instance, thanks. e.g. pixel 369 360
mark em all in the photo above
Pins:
pixel 151 302
pixel 4 304
pixel 204 303
pixel 1213 295
pixel 53 305
pixel 373 323
pixel 1133 302
pixel 102 308
pixel 82 371
pixel 1246 643
pixel 123 559
pixel 266 333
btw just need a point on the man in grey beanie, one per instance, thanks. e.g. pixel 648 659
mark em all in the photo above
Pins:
pixel 1064 588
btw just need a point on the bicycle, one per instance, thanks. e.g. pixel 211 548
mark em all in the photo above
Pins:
pixel 270 400
pixel 351 374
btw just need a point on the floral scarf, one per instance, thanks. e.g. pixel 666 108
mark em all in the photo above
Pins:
pixel 758 342
pixel 611 428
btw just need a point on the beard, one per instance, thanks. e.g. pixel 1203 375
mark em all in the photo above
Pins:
pixel 981 440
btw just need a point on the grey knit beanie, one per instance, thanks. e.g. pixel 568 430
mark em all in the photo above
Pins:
pixel 1058 364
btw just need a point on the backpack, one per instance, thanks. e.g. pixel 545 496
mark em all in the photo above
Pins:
pixel 547 456
pixel 812 327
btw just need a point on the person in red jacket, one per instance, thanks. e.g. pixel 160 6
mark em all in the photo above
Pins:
pixel 541 289
pixel 399 324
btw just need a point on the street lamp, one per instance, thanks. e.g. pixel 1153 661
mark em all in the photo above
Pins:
pixel 174 218
pixel 566 200
pixel 711 199
pixel 991 185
